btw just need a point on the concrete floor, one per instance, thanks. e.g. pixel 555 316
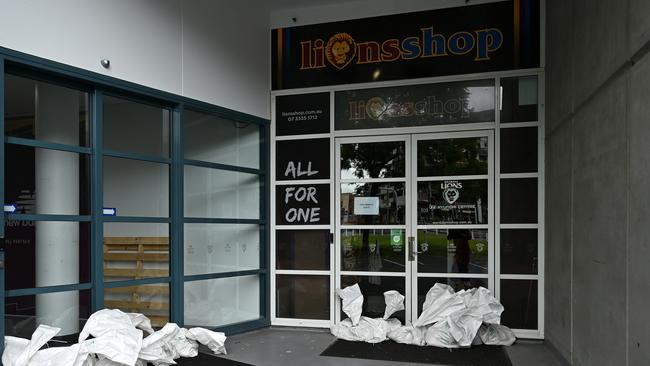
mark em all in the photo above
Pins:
pixel 293 347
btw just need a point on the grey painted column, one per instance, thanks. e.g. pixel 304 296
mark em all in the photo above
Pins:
pixel 57 191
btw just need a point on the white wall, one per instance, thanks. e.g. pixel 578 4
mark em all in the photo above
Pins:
pixel 214 51
pixel 359 9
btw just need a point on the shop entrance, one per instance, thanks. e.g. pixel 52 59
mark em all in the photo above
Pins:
pixel 413 210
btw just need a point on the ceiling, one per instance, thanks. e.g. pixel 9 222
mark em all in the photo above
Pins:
pixel 293 4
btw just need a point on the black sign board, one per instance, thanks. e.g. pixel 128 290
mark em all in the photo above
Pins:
pixel 302 114
pixel 302 204
pixel 460 40
pixel 416 105
pixel 302 159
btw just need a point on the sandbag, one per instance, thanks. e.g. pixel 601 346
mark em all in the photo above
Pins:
pixel 439 303
pixel 496 335
pixel 368 330
pixel 394 302
pixel 352 302
pixel 408 335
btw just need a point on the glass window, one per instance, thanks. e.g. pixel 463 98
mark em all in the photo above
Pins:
pixel 384 204
pixel 373 288
pixel 519 99
pixel 373 160
pixel 519 201
pixel 135 251
pixel 453 202
pixel 219 140
pixel 222 301
pixel 302 297
pixel 453 251
pixel 66 310
pixel 374 250
pixel 46 253
pixel 150 300
pixel 302 249
pixel 217 248
pixel 519 251
pixel 46 112
pixel 218 193
pixel 136 188
pixel 43 181
pixel 519 298
pixel 136 127
pixel 463 156
pixel 416 105
pixel 519 150
pixel 426 283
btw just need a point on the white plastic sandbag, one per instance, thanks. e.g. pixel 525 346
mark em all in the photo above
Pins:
pixel 352 302
pixel 215 341
pixel 408 335
pixel 140 321
pixel 368 330
pixel 439 335
pixel 115 337
pixel 394 302
pixel 496 334
pixel 464 324
pixel 439 303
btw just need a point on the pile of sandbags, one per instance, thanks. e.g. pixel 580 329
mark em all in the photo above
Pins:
pixel 449 319
pixel 113 338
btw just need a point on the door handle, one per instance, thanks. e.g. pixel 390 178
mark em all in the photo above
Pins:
pixel 412 248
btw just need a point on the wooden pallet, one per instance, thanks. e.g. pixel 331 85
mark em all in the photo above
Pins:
pixel 135 253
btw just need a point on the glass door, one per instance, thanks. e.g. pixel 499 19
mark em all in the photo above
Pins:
pixel 413 210
pixel 372 216
pixel 452 212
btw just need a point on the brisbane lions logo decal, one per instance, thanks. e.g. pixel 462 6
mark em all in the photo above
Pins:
pixel 340 50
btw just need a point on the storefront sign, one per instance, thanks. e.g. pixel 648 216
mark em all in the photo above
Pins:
pixel 302 204
pixel 460 40
pixel 302 114
pixel 416 105
pixel 302 159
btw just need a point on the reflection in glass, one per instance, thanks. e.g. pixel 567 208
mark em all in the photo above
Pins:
pixel 66 310
pixel 219 193
pixel 373 250
pixel 519 251
pixel 519 150
pixel 519 99
pixel 46 253
pixel 135 250
pixel 150 300
pixel 302 249
pixel 453 202
pixel 302 297
pixel 415 105
pixel 222 301
pixel 136 188
pixel 452 251
pixel 462 156
pixel 373 160
pixel 388 209
pixel 426 283
pixel 519 298
pixel 45 112
pixel 373 288
pixel 218 140
pixel 519 201
pixel 43 181
pixel 147 126
pixel 217 248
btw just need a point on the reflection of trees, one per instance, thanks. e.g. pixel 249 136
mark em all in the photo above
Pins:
pixel 452 157
pixel 372 160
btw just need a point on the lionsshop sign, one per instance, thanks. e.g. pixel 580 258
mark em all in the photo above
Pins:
pixel 478 38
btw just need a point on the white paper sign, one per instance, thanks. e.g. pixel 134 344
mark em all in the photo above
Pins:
pixel 366 205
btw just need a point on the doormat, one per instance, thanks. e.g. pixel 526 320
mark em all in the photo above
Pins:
pixel 392 351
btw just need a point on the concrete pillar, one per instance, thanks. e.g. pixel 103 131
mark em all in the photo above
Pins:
pixel 57 191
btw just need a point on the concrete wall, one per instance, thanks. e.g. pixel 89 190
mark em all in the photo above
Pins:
pixel 214 51
pixel 598 169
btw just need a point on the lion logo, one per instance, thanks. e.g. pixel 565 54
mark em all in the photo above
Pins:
pixel 340 50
